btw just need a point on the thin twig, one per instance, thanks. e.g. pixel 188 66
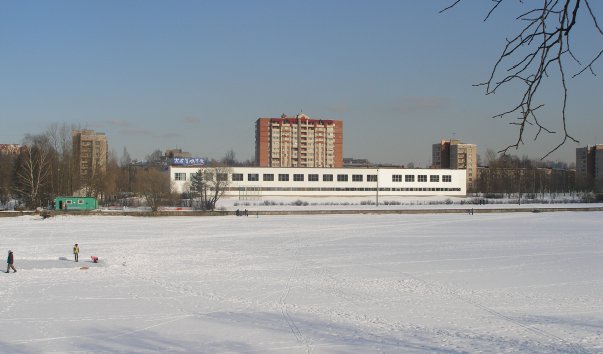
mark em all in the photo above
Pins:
pixel 547 37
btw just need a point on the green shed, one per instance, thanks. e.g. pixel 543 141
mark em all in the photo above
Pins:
pixel 75 203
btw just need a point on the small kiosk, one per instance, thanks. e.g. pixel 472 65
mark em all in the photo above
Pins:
pixel 75 203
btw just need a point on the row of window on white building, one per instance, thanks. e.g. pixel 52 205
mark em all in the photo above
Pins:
pixel 300 177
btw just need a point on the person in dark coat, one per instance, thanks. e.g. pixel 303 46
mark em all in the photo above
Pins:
pixel 10 261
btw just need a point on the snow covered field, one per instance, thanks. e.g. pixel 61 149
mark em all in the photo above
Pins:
pixel 511 282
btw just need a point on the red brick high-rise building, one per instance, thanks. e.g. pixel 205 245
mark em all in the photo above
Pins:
pixel 298 142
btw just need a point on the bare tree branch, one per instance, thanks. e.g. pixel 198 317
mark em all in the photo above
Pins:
pixel 540 47
pixel 450 6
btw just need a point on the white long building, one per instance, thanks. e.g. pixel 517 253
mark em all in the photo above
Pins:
pixel 260 182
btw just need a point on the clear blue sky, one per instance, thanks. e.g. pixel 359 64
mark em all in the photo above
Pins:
pixel 197 74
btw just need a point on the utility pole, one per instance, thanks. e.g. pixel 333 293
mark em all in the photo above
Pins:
pixel 377 186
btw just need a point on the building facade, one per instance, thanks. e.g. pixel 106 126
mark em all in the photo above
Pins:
pixel 589 163
pixel 10 149
pixel 176 153
pixel 440 154
pixel 259 182
pixel 298 142
pixel 453 154
pixel 90 153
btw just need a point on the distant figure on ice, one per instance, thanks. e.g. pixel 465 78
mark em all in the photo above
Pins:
pixel 246 214
pixel 238 212
pixel 10 261
pixel 76 251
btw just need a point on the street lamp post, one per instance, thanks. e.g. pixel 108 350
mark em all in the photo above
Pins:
pixel 520 174
pixel 377 187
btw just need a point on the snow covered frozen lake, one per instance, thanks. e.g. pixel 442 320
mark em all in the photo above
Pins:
pixel 509 282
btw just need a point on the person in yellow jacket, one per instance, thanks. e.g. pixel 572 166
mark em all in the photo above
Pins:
pixel 76 251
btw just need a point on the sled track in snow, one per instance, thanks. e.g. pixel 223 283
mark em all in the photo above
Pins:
pixel 299 336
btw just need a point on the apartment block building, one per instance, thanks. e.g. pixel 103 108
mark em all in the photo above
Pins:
pixel 298 142
pixel 589 162
pixel 10 149
pixel 452 154
pixel 90 153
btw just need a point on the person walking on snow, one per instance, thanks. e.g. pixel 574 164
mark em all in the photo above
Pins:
pixel 9 261
pixel 76 251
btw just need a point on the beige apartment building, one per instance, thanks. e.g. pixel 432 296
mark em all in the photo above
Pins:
pixel 90 153
pixel 455 155
pixel 298 142
pixel 10 149
pixel 589 163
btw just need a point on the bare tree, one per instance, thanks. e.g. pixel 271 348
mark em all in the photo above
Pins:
pixel 59 137
pixel 508 174
pixel 541 46
pixel 230 159
pixel 208 185
pixel 33 170
pixel 125 181
pixel 109 183
pixel 154 185
pixel 7 163
pixel 155 158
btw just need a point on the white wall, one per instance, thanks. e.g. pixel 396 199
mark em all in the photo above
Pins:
pixel 457 186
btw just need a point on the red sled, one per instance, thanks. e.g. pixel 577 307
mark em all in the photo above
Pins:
pixel 94 259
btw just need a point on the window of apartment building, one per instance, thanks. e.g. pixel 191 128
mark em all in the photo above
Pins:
pixel 327 178
pixel 283 177
pixel 409 178
pixel 268 177
pixel 446 178
pixel 371 178
pixel 434 178
pixel 237 176
pixel 222 176
pixel 396 178
pixel 357 178
pixel 191 176
pixel 342 178
pixel 422 178
pixel 298 177
pixel 253 177
pixel 313 177
pixel 180 176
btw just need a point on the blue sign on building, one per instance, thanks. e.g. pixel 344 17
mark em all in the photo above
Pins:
pixel 188 161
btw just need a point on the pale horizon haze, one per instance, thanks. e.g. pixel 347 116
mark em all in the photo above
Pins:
pixel 196 75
